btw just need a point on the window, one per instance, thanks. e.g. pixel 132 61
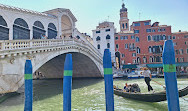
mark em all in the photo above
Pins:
pixel 117 46
pixel 150 49
pixel 132 37
pixel 163 29
pixel 136 31
pixel 148 30
pixel 185 36
pixel 126 25
pixel 169 37
pixel 108 45
pixel 150 59
pixel 98 31
pixel 123 26
pixel 116 38
pixel 98 38
pixel 20 29
pixel 149 38
pixel 157 58
pixel 108 37
pixel 176 60
pixel 153 30
pixel 124 37
pixel 187 51
pixel 137 39
pixel 126 46
pixel 122 55
pixel 164 37
pixel 98 46
pixel 4 31
pixel 52 32
pixel 161 48
pixel 175 43
pixel 138 50
pixel 138 60
pixel 159 30
pixel 181 59
pixel 136 24
pixel 176 52
pixel 107 30
pixel 144 59
pixel 181 51
pixel 161 37
pixel 134 54
pixel 146 23
pixel 174 37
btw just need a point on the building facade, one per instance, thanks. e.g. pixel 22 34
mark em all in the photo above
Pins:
pixel 103 37
pixel 142 43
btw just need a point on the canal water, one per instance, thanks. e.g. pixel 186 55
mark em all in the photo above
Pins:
pixel 88 95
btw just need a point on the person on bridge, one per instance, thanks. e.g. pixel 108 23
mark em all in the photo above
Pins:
pixel 147 78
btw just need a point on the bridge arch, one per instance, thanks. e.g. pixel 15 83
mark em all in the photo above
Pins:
pixel 52 64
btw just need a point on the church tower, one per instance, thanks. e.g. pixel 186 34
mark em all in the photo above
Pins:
pixel 124 21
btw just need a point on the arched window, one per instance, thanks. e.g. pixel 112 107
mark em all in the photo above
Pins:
pixel 149 38
pixel 150 59
pixel 108 45
pixel 38 30
pixel 126 25
pixel 138 59
pixel 108 37
pixel 138 50
pixel 4 31
pixel 137 39
pixel 98 46
pixel 20 29
pixel 144 59
pixel 98 38
pixel 52 32
pixel 116 38
pixel 149 49
pixel 123 26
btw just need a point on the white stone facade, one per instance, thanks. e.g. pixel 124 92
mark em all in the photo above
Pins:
pixel 103 30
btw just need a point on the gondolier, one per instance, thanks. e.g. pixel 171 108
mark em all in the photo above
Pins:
pixel 147 77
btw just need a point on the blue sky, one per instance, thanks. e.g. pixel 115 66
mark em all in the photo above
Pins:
pixel 90 12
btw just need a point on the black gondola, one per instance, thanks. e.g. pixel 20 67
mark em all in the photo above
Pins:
pixel 150 97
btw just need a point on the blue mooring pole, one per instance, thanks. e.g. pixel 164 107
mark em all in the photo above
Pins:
pixel 67 83
pixel 28 76
pixel 108 77
pixel 169 68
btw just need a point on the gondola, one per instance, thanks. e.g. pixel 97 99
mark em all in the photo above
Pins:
pixel 148 97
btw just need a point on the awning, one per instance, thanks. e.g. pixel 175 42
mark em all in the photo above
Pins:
pixel 161 65
pixel 154 65
pixel 129 66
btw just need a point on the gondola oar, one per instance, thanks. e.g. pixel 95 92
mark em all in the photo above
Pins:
pixel 159 84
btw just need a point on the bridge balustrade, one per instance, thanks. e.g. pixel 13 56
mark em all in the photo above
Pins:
pixel 26 44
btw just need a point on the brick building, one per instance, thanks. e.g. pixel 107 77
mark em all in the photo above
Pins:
pixel 143 43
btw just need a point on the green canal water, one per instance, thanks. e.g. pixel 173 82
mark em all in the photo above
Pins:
pixel 88 95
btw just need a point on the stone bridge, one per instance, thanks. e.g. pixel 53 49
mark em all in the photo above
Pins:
pixel 47 56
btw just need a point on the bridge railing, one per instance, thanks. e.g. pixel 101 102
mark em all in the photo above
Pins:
pixel 25 44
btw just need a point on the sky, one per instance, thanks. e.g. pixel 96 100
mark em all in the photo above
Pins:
pixel 90 13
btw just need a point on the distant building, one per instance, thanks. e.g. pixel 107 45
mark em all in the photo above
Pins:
pixel 142 43
pixel 103 37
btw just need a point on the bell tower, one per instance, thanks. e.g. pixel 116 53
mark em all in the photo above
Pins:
pixel 124 21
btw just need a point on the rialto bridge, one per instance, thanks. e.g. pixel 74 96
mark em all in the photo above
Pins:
pixel 20 39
